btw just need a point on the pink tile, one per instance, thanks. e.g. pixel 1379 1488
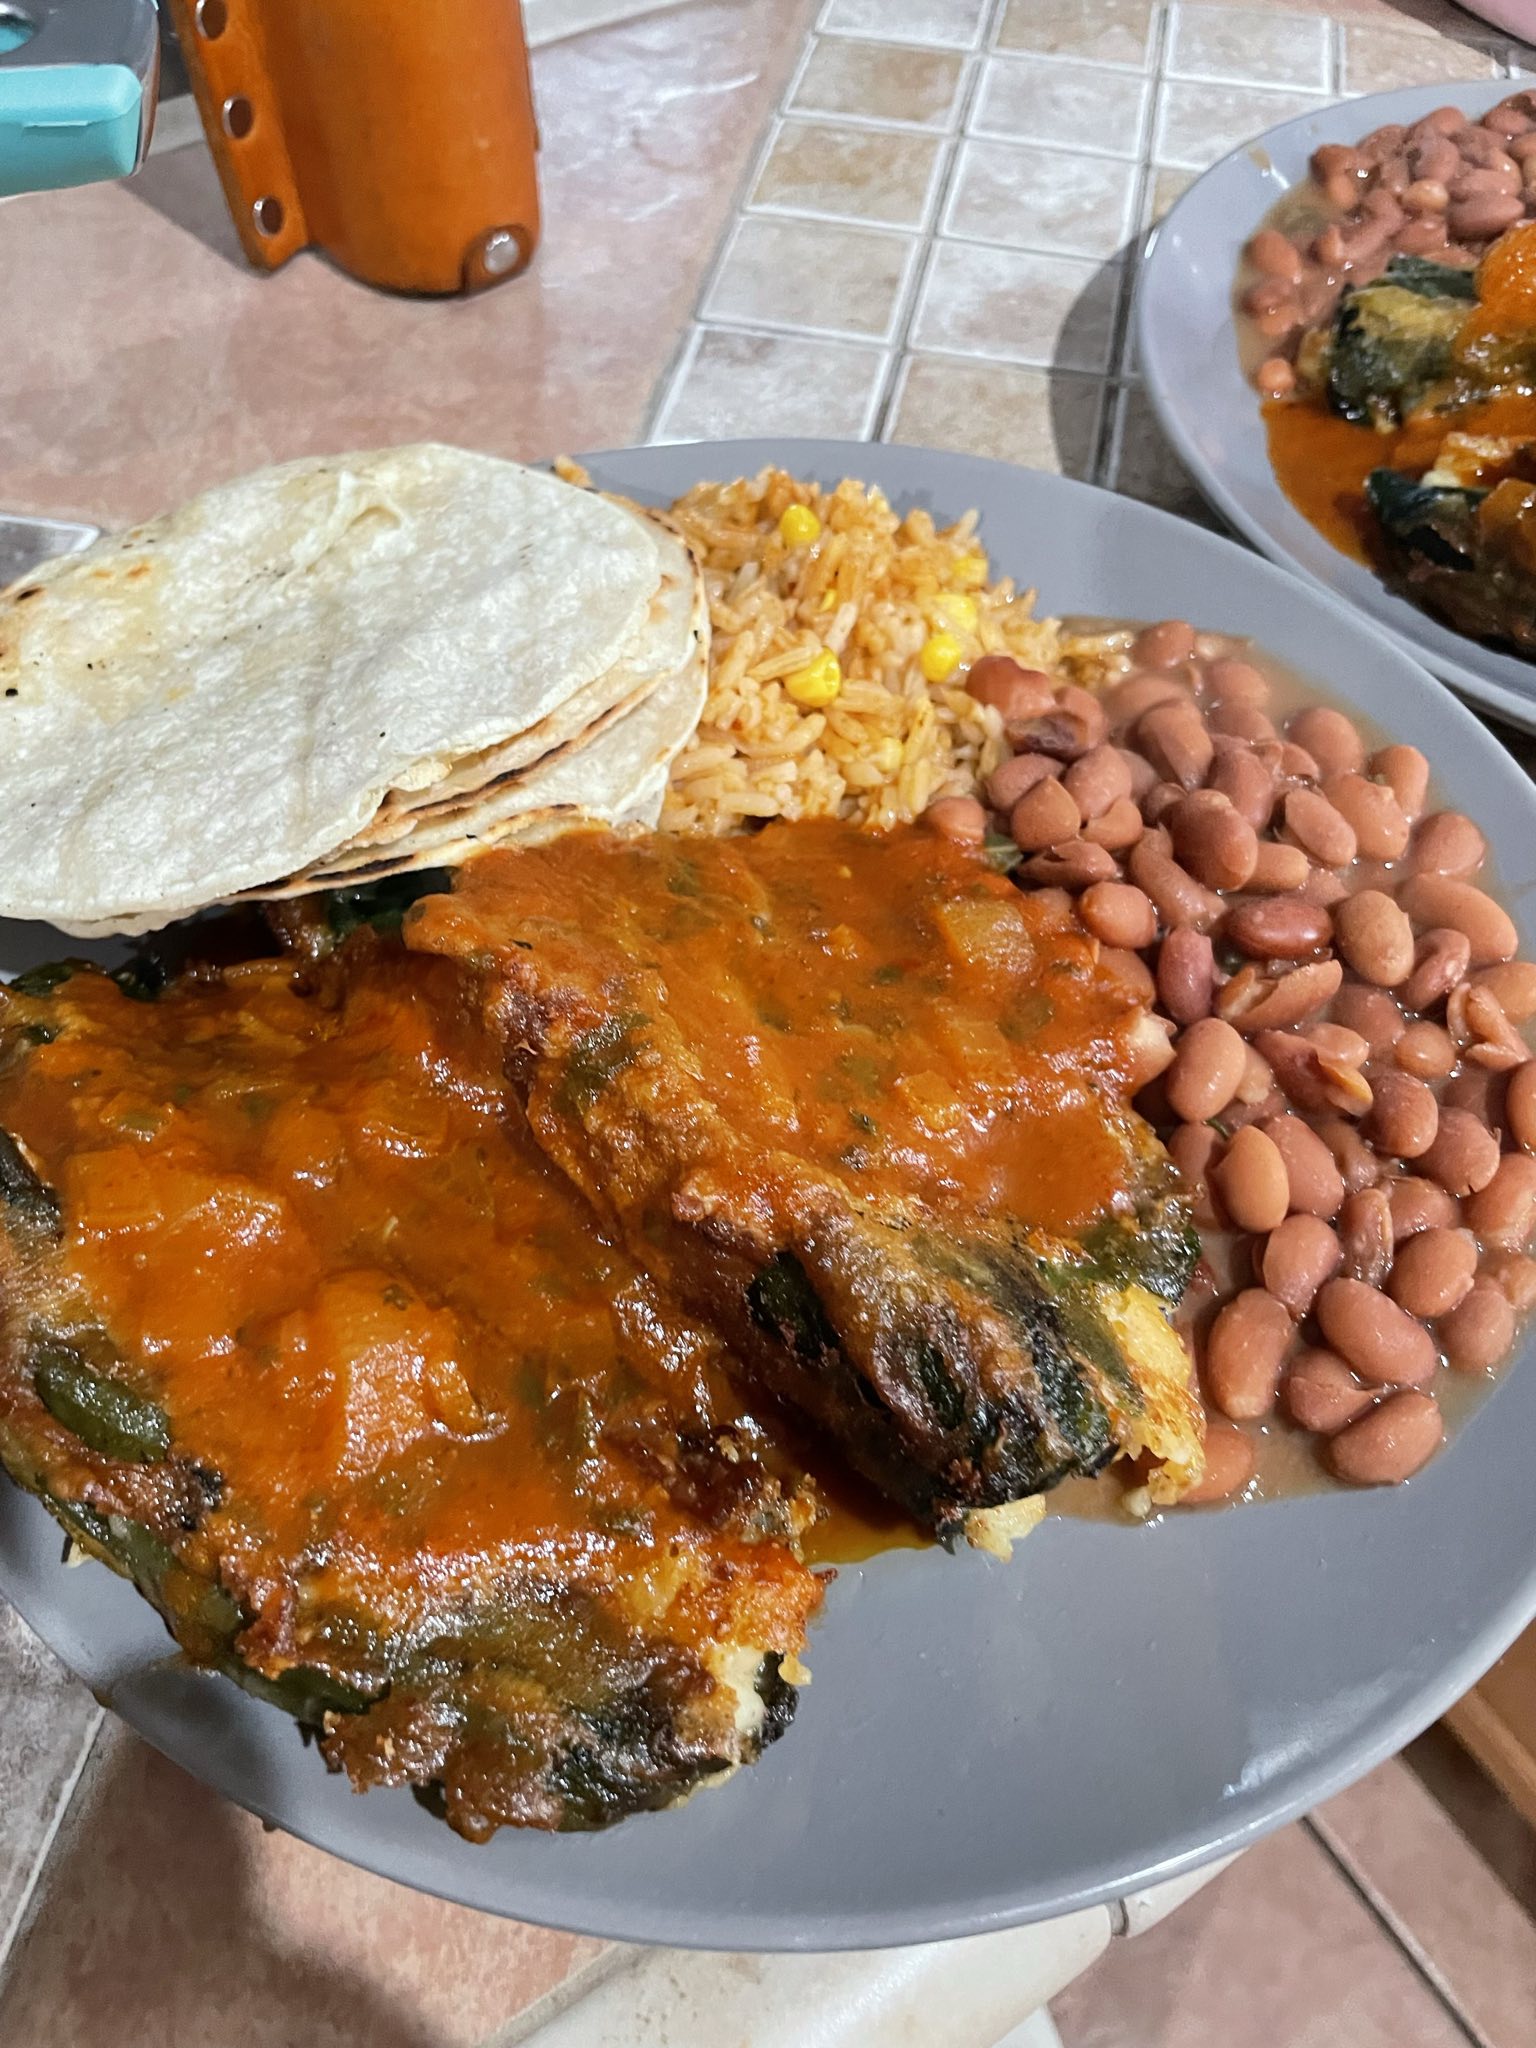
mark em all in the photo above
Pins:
pixel 1277 1953
pixel 879 81
pixel 954 24
pixel 1142 464
pixel 875 174
pixel 1042 420
pixel 1198 121
pixel 1108 31
pixel 1047 199
pixel 735 383
pixel 1067 106
pixel 1017 306
pixel 1257 45
pixel 1436 1891
pixel 171 1919
pixel 812 275
pixel 1380 58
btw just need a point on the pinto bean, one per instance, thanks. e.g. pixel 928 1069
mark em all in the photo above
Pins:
pixel 1300 1253
pixel 1478 1332
pixel 1251 1181
pixel 1357 1163
pixel 1371 1012
pixel 1212 840
pixel 1316 1185
pixel 1483 215
pixel 1017 777
pixel 1016 692
pixel 1186 975
pixel 1419 1204
pixel 1426 1052
pixel 1478 1025
pixel 1174 738
pixel 1381 830
pixel 1329 737
pixel 1278 867
pixel 1230 1459
pixel 1245 1354
pixel 1433 1270
pixel 1440 960
pixel 959 818
pixel 1277 928
pixel 1375 938
pixel 1405 771
pixel 1515 1276
pixel 1404 1116
pixel 1230 681
pixel 1071 725
pixel 1315 826
pixel 1043 817
pixel 1520 1106
pixel 1377 1339
pixel 1118 828
pixel 1143 691
pixel 1241 777
pixel 1192 1148
pixel 1276 255
pixel 1426 195
pixel 1097 779
pixel 1208 1065
pixel 1503 1214
pixel 1365 1236
pixel 1465 1154
pixel 1321 1393
pixel 1512 983
pixel 1396 1439
pixel 1071 864
pixel 1179 898
pixel 1118 913
pixel 1238 721
pixel 1164 645
pixel 1445 843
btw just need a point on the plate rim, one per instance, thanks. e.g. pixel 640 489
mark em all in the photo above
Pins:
pixel 653 1919
pixel 1163 387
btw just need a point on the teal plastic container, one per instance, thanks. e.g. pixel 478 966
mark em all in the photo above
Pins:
pixel 77 92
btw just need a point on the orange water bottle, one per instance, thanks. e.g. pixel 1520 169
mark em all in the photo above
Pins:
pixel 396 135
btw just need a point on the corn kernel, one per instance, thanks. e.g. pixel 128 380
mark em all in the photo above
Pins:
pixel 817 684
pixel 798 526
pixel 959 609
pixel 828 599
pixel 970 571
pixel 940 656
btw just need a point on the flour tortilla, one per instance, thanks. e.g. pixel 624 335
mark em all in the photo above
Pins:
pixel 225 695
pixel 617 780
pixel 676 637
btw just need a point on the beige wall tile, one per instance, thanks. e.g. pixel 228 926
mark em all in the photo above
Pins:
pixel 1041 199
pixel 1276 1953
pixel 1430 1881
pixel 1163 188
pixel 812 274
pixel 953 24
pixel 1264 46
pixel 1142 465
pixel 1017 306
pixel 1198 122
pixel 880 81
pixel 1378 58
pixel 1045 420
pixel 172 1918
pixel 1108 31
pixel 1067 105
pixel 772 384
pixel 858 173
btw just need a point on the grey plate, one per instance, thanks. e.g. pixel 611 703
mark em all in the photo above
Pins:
pixel 1210 412
pixel 985 1744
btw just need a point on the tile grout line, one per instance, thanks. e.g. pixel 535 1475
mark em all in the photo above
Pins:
pixel 12 1933
pixel 893 384
pixel 1397 1931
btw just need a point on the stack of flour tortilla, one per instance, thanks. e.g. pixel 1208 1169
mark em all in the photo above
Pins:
pixel 332 671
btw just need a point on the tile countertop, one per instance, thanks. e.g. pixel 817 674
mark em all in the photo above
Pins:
pixel 917 219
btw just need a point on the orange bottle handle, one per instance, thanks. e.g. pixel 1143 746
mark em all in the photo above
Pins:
pixel 398 137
